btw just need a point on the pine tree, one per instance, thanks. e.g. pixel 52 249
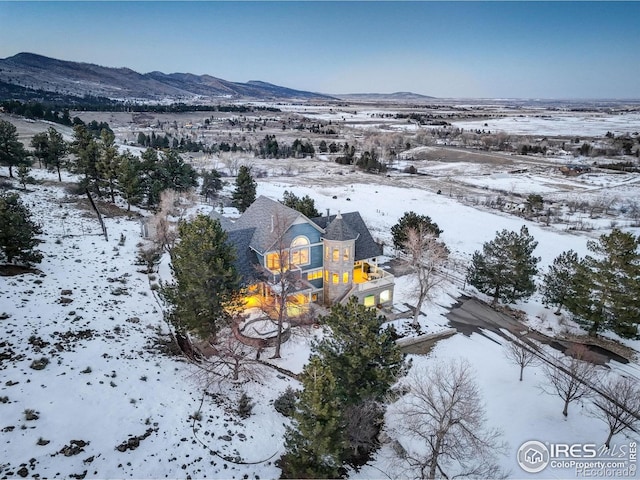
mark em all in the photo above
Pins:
pixel 206 282
pixel 87 156
pixel 129 179
pixel 351 370
pixel 558 283
pixel 607 285
pixel 364 360
pixel 12 152
pixel 305 205
pixel 506 266
pixel 17 231
pixel 40 143
pixel 108 162
pixel 56 150
pixel 315 443
pixel 245 192
pixel 211 184
pixel 23 175
pixel 412 220
pixel 177 174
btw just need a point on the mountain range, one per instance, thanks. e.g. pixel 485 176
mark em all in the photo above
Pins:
pixel 60 77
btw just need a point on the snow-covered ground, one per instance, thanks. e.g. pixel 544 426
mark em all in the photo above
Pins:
pixel 590 125
pixel 97 320
pixel 106 383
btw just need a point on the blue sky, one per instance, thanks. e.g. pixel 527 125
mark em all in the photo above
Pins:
pixel 444 49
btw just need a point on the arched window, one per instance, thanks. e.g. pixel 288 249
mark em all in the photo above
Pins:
pixel 300 250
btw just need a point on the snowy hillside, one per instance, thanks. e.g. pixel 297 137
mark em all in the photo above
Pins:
pixel 112 402
pixel 108 403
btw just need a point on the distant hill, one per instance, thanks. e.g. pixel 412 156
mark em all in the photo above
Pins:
pixel 384 97
pixel 37 72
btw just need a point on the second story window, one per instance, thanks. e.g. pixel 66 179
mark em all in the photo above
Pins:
pixel 300 251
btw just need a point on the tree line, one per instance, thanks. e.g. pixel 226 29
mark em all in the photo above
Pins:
pixel 601 291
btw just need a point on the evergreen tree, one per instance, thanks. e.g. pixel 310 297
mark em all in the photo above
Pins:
pixel 305 205
pixel 56 150
pixel 314 442
pixel 409 220
pixel 87 155
pixel 558 283
pixel 506 266
pixel 178 175
pixel 364 359
pixel 12 152
pixel 129 178
pixel 211 184
pixel 152 177
pixel 607 285
pixel 39 143
pixel 23 175
pixel 245 192
pixel 167 171
pixel 351 370
pixel 108 162
pixel 206 282
pixel 17 231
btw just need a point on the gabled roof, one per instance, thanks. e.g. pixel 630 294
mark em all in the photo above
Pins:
pixel 269 219
pixel 366 247
pixel 225 222
pixel 339 230
pixel 246 260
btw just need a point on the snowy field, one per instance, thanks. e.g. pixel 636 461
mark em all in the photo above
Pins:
pixel 110 405
pixel 592 125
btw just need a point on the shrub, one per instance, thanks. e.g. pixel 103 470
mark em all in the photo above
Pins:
pixel 245 406
pixel 30 414
pixel 286 402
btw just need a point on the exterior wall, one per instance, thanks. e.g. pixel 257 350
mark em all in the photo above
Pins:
pixel 305 229
pixel 342 266
pixel 315 245
pixel 375 293
pixel 315 257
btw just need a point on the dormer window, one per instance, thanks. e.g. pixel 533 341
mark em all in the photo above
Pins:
pixel 299 252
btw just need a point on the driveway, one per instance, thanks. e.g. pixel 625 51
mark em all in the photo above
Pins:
pixel 471 315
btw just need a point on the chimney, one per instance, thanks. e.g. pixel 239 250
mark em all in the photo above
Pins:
pixel 328 213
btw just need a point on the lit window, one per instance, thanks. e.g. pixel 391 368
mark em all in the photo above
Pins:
pixel 369 301
pixel 336 278
pixel 300 251
pixel 273 261
pixel 314 275
pixel 345 277
pixel 336 254
pixel 345 254
pixel 385 296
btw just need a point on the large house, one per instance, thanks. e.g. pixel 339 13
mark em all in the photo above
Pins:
pixel 327 259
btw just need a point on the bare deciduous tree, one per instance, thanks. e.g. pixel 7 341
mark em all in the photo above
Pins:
pixel 283 275
pixel 171 210
pixel 363 425
pixel 520 354
pixel 425 256
pixel 570 376
pixel 443 411
pixel 618 404
pixel 226 358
